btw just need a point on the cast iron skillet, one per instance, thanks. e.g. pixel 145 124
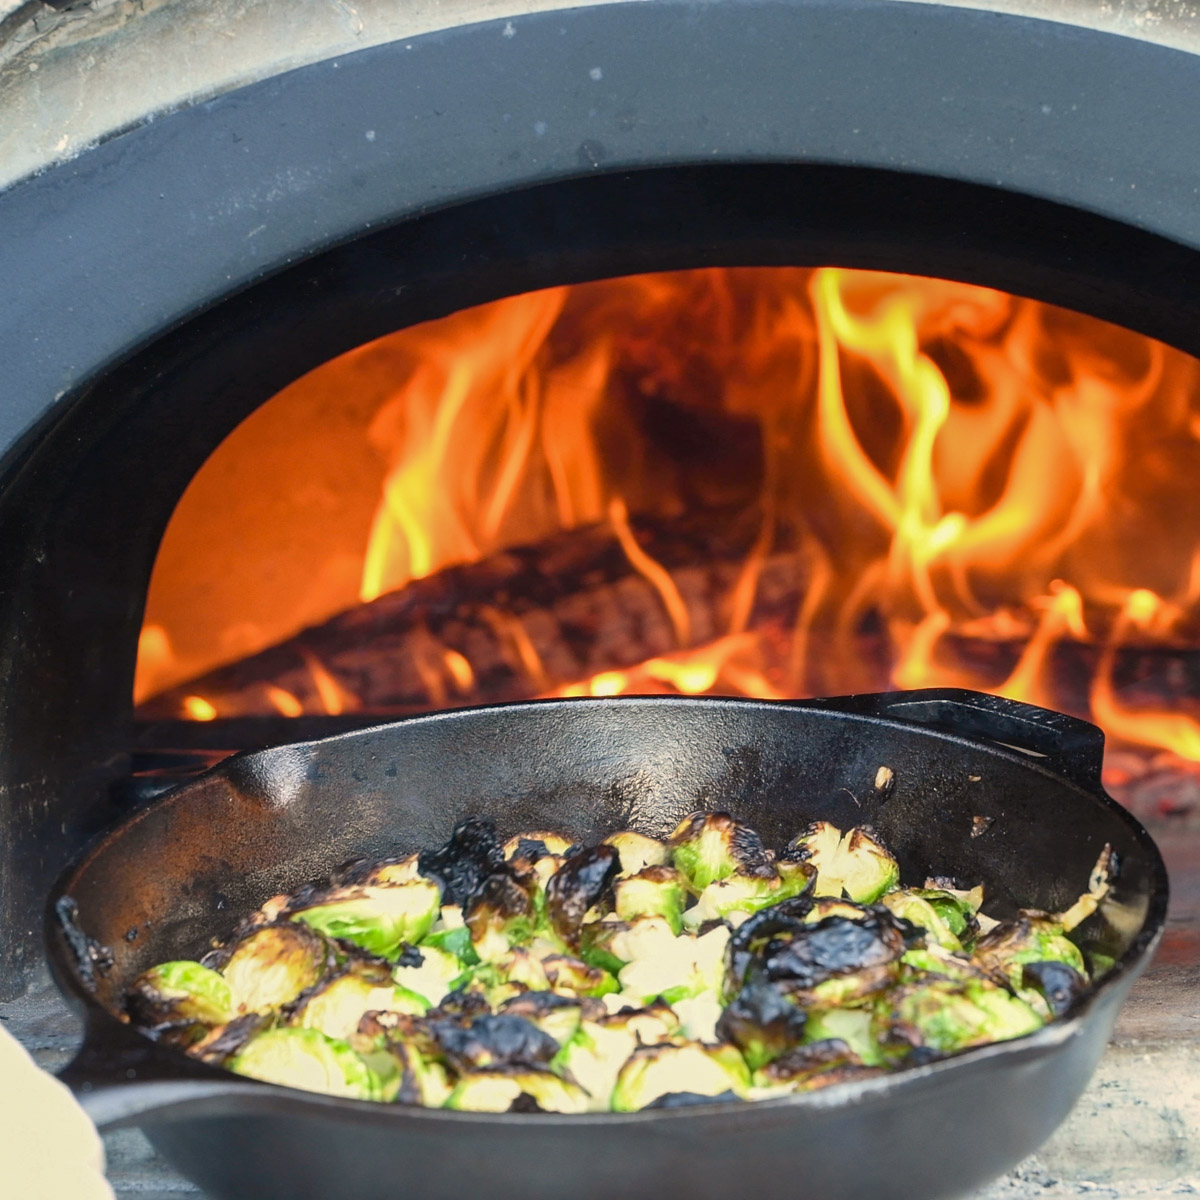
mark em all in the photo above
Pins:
pixel 184 869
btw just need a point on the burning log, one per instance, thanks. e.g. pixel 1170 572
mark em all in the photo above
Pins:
pixel 525 620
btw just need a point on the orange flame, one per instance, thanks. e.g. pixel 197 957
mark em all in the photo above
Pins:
pixel 972 479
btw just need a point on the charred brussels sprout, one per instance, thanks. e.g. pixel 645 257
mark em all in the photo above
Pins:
pixel 575 887
pixel 500 1089
pixel 637 852
pixel 1052 988
pixel 652 892
pixel 655 1071
pixel 706 847
pixel 489 1041
pixel 179 1000
pixel 761 1021
pixel 308 1060
pixel 947 1016
pixel 535 846
pixel 816 1065
pixel 273 965
pixel 472 853
pixel 855 864
pixel 423 1079
pixel 1031 937
pixel 552 1013
pixel 378 919
pixel 337 1007
pixel 499 916
pixel 921 912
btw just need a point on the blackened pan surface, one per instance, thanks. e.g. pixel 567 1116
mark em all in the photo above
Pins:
pixel 183 871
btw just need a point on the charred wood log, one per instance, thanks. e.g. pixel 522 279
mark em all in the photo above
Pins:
pixel 523 621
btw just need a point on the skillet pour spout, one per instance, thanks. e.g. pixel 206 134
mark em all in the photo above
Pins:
pixel 976 788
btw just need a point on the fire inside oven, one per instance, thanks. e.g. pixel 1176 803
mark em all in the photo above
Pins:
pixel 773 482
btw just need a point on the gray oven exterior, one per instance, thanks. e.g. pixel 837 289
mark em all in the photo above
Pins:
pixel 1086 115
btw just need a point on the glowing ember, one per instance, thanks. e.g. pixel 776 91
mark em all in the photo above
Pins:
pixel 962 470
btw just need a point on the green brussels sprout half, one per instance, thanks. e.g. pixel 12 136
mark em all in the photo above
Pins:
pixel 654 1071
pixel 574 975
pixel 652 892
pixel 423 1079
pixel 637 851
pixel 271 966
pixel 674 967
pixel 706 847
pixel 922 912
pixel 181 996
pixel 309 1060
pixel 378 919
pixel 956 908
pixel 1031 937
pixel 947 1016
pixel 745 894
pixel 499 1089
pixel 855 864
pixel 337 1006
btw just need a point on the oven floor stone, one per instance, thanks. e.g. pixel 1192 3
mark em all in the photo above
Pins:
pixel 1135 1134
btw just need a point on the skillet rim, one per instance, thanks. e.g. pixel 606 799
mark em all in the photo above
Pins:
pixel 251 1093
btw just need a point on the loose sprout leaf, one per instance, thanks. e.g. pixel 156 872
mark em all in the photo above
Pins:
pixel 307 1059
pixel 379 919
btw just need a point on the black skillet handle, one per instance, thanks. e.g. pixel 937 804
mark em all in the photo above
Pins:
pixel 122 1078
pixel 1069 747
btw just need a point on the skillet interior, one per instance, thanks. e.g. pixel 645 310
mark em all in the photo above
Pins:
pixel 182 872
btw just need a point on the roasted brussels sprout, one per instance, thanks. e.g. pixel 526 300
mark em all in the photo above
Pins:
pixel 1051 988
pixel 761 1022
pixel 472 853
pixel 739 895
pixel 338 1005
pixel 551 1012
pixel 423 1079
pixel 489 1041
pixel 655 1071
pixel 307 1059
pixel 573 975
pixel 917 910
pixel 947 1015
pixel 637 852
pixel 271 966
pixel 1031 937
pixel 674 967
pixel 500 1089
pixel 179 1001
pixel 652 892
pixel 855 864
pixel 535 846
pixel 379 919
pixel 706 847
pixel 815 1065
pixel 575 887
pixel 500 915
